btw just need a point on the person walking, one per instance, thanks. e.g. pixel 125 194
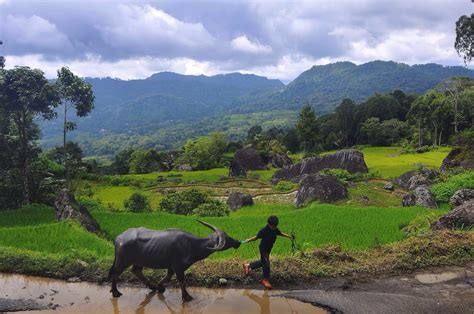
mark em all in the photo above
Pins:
pixel 268 235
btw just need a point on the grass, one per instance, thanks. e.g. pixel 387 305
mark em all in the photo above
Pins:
pixel 211 175
pixel 317 225
pixel 389 163
pixel 377 195
pixel 116 195
pixel 444 190
pixel 56 238
pixel 314 226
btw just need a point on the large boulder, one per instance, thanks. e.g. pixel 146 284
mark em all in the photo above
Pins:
pixel 457 158
pixel 237 200
pixel 461 196
pixel 349 159
pixel 67 207
pixel 323 188
pixel 245 159
pixel 279 160
pixel 421 196
pixel 184 167
pixel 412 179
pixel 460 217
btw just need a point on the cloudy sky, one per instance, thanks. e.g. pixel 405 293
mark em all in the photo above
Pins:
pixel 277 39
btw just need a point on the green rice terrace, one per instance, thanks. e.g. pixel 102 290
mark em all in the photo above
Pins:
pixel 369 218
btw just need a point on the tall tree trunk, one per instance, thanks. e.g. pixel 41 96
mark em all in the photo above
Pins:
pixel 66 169
pixel 440 137
pixel 25 165
pixel 435 135
pixel 419 133
pixel 456 114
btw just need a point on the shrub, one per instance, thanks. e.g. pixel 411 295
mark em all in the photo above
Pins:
pixel 285 186
pixel 346 176
pixel 184 202
pixel 137 203
pixel 444 190
pixel 214 208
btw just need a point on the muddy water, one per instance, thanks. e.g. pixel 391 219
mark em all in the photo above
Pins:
pixel 89 298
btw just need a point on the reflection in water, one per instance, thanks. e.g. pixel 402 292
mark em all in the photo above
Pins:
pixel 90 298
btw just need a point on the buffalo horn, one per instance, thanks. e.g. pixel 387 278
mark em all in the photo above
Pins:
pixel 221 243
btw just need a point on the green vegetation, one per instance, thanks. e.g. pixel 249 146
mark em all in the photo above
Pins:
pixel 184 202
pixel 390 163
pixel 444 190
pixel 115 196
pixel 213 208
pixel 137 203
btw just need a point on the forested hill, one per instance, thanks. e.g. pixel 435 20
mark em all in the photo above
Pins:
pixel 167 108
pixel 325 86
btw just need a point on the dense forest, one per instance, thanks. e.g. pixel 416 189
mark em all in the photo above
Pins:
pixel 165 109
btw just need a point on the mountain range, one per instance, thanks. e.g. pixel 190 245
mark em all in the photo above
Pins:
pixel 166 108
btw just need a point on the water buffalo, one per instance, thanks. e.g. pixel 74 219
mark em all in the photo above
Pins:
pixel 171 249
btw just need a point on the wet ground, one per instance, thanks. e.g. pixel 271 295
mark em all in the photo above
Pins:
pixel 18 292
pixel 442 290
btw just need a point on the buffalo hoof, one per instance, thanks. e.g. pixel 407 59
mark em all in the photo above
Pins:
pixel 116 294
pixel 187 298
pixel 160 289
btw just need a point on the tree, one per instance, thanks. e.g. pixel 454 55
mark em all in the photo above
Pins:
pixel 121 164
pixel 137 203
pixel 307 128
pixel 464 43
pixel 71 156
pixel 253 134
pixel 26 93
pixel 345 117
pixel 74 94
pixel 205 152
pixel 371 129
pixel 453 87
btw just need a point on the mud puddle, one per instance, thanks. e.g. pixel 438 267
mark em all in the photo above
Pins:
pixel 84 297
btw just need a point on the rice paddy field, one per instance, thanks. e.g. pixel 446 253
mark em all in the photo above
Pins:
pixel 358 228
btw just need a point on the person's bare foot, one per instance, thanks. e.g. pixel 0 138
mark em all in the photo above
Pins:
pixel 246 267
pixel 266 283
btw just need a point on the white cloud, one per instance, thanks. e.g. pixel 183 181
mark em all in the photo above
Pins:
pixel 242 43
pixel 146 28
pixel 410 46
pixel 126 69
pixel 35 32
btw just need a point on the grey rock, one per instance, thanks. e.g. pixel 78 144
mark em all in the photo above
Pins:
pixel 222 281
pixel 184 167
pixel 412 179
pixel 461 196
pixel 457 159
pixel 324 188
pixel 237 200
pixel 364 199
pixel 280 160
pixel 245 159
pixel 408 200
pixel 389 187
pixel 403 180
pixel 67 207
pixel 460 217
pixel 421 196
pixel 349 159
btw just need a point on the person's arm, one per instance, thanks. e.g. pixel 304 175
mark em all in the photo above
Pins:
pixel 284 234
pixel 249 239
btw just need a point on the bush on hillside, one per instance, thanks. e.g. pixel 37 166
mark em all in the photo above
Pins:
pixel 137 203
pixel 184 202
pixel 444 190
pixel 214 208
pixel 285 186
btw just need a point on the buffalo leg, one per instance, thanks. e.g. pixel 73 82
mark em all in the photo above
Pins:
pixel 184 294
pixel 117 269
pixel 138 271
pixel 164 280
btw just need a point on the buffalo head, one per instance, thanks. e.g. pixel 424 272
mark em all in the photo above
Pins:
pixel 223 241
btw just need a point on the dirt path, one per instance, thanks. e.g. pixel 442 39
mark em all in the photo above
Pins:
pixel 442 290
